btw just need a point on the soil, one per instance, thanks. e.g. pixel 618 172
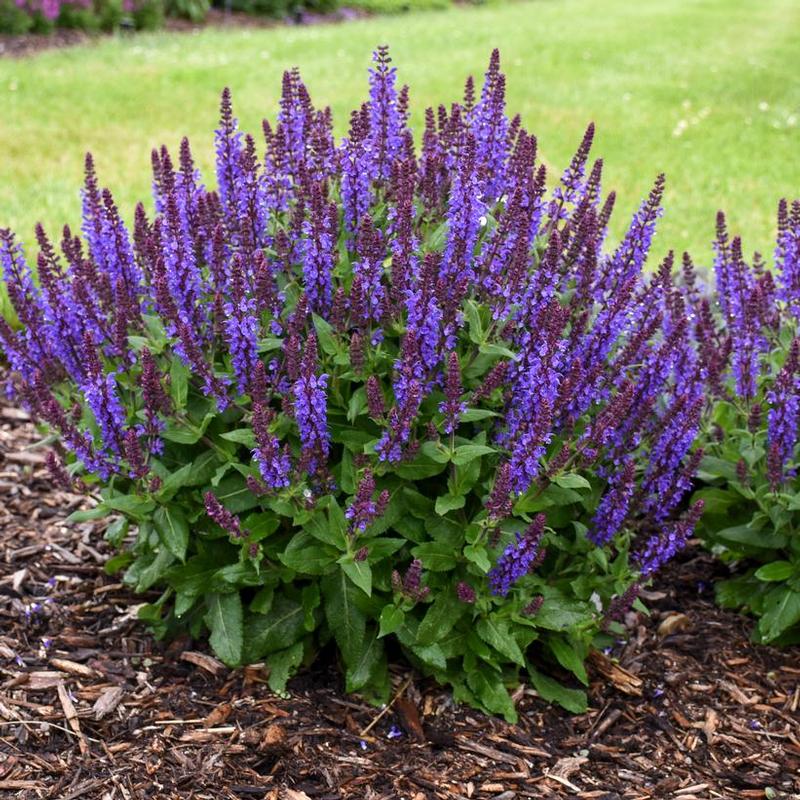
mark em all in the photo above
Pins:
pixel 92 707
pixel 32 43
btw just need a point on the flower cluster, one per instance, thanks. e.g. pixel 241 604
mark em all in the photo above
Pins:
pixel 381 369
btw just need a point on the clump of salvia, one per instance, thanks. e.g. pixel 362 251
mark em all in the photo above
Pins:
pixel 749 333
pixel 382 387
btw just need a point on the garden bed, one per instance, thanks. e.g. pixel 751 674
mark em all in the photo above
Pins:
pixel 30 43
pixel 92 707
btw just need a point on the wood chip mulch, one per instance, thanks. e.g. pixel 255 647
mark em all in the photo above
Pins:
pixel 92 707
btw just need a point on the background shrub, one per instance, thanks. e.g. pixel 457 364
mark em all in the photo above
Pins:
pixel 370 397
pixel 13 19
pixel 753 498
pixel 194 10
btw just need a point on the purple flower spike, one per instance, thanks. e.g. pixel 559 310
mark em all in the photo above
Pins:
pixel 364 510
pixel 310 411
pixel 452 407
pixel 224 518
pixel 518 558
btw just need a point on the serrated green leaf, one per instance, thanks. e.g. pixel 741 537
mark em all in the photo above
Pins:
pixel 359 674
pixel 243 436
pixel 439 619
pixel 131 504
pixel 391 620
pixel 468 452
pixel 174 481
pixel 280 628
pixel 477 414
pixel 477 555
pixel 306 555
pixel 435 556
pixel 552 691
pixel 325 336
pixel 345 619
pixel 173 530
pixel 282 666
pixel 448 502
pixel 490 692
pixel 224 620
pixel 567 655
pixel 781 612
pixel 571 480
pixel 178 383
pixel 359 572
pixel 497 634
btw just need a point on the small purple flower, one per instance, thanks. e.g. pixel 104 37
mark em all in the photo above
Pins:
pixel 310 411
pixel 363 511
pixel 224 518
pixel 452 407
pixel 518 558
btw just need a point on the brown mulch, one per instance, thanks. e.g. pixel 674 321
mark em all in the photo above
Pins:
pixel 92 707
pixel 32 43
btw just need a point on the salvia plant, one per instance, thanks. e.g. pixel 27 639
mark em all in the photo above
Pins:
pixel 370 396
pixel 749 330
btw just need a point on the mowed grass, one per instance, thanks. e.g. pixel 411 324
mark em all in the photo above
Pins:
pixel 704 90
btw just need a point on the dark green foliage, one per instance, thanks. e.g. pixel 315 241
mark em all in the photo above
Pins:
pixel 13 19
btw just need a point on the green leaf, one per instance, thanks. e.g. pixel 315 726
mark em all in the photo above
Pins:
pixel 282 666
pixel 476 414
pixel 567 655
pixel 173 529
pixel 430 654
pixel 573 700
pixel 131 504
pixel 359 674
pixel 359 572
pixel 174 481
pixel 752 537
pixel 325 336
pixel 319 526
pixel 235 495
pixel 345 619
pixel 435 556
pixel 276 630
pixel 478 556
pixel 781 612
pixel 179 383
pixel 147 574
pixel 305 555
pixel 224 619
pixel 382 548
pixel 357 404
pixel 261 524
pixel 473 316
pixel 490 691
pixel 448 502
pixel 420 468
pixel 572 480
pixel 391 620
pixel 560 614
pixel 441 616
pixel 467 452
pixel 776 571
pixel 98 512
pixel 116 531
pixel 498 636
pixel 419 505
pixel 243 436
pixel 435 452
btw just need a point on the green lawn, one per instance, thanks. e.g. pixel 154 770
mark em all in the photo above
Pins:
pixel 705 90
